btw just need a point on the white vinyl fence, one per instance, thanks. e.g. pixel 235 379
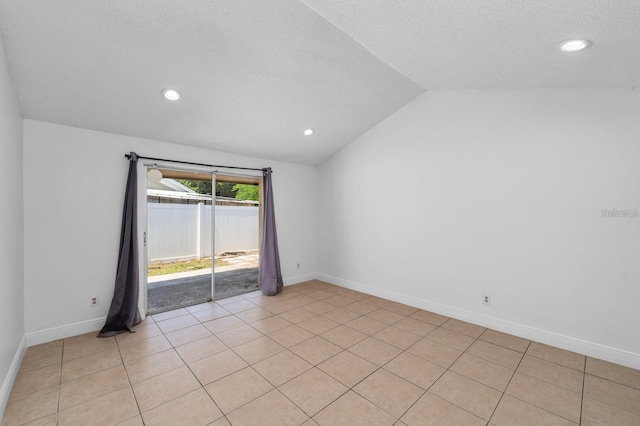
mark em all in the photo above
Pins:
pixel 183 231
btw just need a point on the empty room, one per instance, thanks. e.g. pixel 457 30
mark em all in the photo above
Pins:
pixel 305 212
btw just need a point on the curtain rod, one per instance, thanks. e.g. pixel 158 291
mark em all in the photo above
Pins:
pixel 196 164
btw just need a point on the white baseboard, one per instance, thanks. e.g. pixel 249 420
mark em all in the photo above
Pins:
pixel 591 349
pixel 300 279
pixel 10 378
pixel 70 330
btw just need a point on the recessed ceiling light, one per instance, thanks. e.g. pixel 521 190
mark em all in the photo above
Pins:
pixel 308 132
pixel 171 94
pixel 574 45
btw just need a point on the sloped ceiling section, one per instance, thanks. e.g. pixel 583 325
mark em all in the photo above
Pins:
pixel 496 44
pixel 253 74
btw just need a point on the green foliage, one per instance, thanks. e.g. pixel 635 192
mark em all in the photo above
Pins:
pixel 200 186
pixel 247 192
pixel 224 189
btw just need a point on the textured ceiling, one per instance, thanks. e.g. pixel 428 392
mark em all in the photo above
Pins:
pixel 496 44
pixel 255 73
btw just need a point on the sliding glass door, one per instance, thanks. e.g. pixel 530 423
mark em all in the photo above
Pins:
pixel 180 238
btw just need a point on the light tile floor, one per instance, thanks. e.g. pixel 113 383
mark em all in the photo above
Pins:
pixel 316 354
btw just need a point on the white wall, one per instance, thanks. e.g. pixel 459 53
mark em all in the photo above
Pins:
pixel 74 188
pixel 11 239
pixel 505 190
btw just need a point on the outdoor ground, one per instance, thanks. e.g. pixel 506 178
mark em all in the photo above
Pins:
pixel 160 268
pixel 239 275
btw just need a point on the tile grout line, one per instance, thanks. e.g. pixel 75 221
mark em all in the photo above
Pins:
pixel 447 369
pixel 509 383
pixel 421 395
pixel 315 366
pixel 583 372
pixel 135 398
pixel 377 308
pixel 60 383
pixel 349 388
pixel 529 403
pixel 584 377
pixel 251 366
pixel 352 388
pixel 294 306
pixel 276 388
pixel 173 348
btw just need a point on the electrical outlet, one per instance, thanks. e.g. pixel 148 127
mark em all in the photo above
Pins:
pixel 298 266
pixel 94 301
pixel 486 299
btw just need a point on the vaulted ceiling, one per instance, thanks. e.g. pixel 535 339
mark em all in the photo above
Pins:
pixel 254 74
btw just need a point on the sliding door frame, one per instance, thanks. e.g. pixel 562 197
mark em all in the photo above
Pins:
pixel 143 231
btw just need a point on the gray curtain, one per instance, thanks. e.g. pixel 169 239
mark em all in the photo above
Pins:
pixel 270 278
pixel 123 313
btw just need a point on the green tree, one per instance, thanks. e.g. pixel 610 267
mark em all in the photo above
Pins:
pixel 200 186
pixel 223 189
pixel 246 192
pixel 238 191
